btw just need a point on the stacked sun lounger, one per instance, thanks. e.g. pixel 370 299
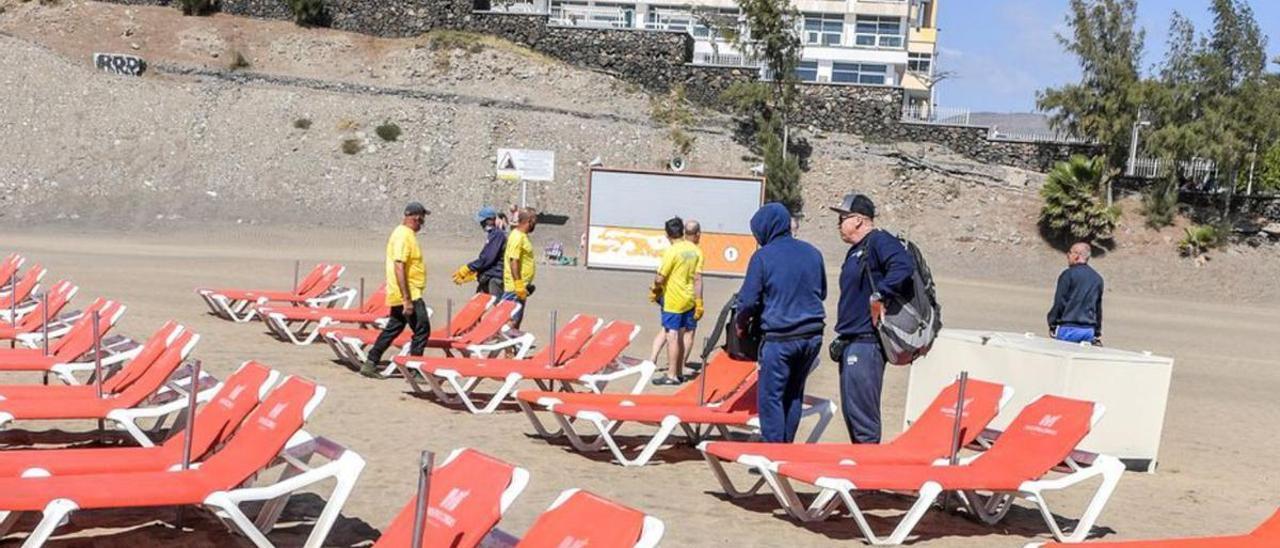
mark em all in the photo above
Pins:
pixel 316 290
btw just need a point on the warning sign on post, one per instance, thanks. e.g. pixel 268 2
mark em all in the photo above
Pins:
pixel 516 164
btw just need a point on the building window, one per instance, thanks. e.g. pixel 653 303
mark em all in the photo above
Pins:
pixel 613 15
pixel 879 32
pixel 807 71
pixel 823 29
pixel 924 15
pixel 723 17
pixel 666 19
pixel 920 62
pixel 860 73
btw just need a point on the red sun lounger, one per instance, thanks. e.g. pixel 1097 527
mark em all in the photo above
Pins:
pixel 301 325
pixel 730 404
pixel 215 423
pixel 29 330
pixel 351 345
pixel 124 405
pixel 1038 441
pixel 8 267
pixel 146 356
pixel 1266 535
pixel 271 436
pixel 17 303
pixel 317 290
pixel 581 359
pixel 469 493
pixel 583 519
pixel 928 439
pixel 73 353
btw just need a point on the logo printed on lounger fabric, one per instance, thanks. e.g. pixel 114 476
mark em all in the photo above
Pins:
pixel 269 421
pixel 449 504
pixel 950 410
pixel 1046 425
pixel 229 400
pixel 571 542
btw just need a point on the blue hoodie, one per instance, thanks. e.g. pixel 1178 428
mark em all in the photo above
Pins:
pixel 786 281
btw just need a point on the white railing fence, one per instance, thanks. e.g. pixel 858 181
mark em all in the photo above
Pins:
pixel 725 59
pixel 1035 137
pixel 1197 169
pixel 925 114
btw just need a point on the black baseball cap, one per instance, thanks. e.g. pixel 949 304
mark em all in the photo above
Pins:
pixel 856 203
pixel 415 208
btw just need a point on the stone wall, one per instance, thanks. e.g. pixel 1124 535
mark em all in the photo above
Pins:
pixel 658 60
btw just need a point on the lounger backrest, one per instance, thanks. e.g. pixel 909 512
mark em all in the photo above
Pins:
pixel 465 503
pixel 585 519
pixel 134 368
pixel 570 340
pixel 262 435
pixel 470 313
pixel 220 417
pixel 724 376
pixel 79 339
pixel 325 282
pixel 605 347
pixel 1268 531
pixel 376 302
pixel 1039 438
pixel 155 376
pixel 26 284
pixel 309 281
pixel 10 265
pixel 490 324
pixel 59 295
pixel 931 433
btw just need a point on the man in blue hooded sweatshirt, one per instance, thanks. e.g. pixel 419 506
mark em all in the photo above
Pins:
pixel 785 285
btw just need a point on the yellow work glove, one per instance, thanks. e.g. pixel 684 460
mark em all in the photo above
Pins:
pixel 521 291
pixel 655 293
pixel 698 310
pixel 463 275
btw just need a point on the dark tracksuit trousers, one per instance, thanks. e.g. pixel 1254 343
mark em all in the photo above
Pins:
pixel 396 322
pixel 861 381
pixel 784 367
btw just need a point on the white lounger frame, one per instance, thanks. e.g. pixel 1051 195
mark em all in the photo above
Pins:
pixel 343 465
pixel 296 331
pixel 58 325
pixel 990 507
pixel 650 534
pixel 243 310
pixel 783 491
pixel 604 428
pixel 26 305
pixel 461 389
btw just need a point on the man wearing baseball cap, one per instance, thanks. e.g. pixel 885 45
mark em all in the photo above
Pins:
pixel 486 269
pixel 877 266
pixel 406 281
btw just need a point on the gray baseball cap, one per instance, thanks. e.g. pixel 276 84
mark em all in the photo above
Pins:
pixel 856 203
pixel 415 208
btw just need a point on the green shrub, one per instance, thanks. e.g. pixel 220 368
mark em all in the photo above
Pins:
pixel 1269 171
pixel 452 39
pixel 195 7
pixel 1075 209
pixel 388 131
pixel 1199 239
pixel 1160 202
pixel 302 123
pixel 307 12
pixel 352 146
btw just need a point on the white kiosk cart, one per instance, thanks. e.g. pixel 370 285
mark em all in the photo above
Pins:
pixel 1134 386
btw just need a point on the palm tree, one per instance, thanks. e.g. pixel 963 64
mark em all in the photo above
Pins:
pixel 1075 207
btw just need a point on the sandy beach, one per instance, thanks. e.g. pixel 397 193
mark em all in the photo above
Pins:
pixel 1216 474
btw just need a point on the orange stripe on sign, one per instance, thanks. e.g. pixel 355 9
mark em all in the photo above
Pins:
pixel 641 249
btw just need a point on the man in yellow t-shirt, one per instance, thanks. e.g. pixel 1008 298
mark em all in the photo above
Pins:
pixel 518 266
pixel 406 281
pixel 678 287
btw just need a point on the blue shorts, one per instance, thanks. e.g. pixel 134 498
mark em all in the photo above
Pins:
pixel 1070 333
pixel 511 296
pixel 675 321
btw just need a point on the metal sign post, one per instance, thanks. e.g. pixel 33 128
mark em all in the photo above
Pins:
pixel 551 357
pixel 524 193
pixel 424 493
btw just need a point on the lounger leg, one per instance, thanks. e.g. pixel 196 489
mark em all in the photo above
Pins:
pixel 580 443
pixel 668 425
pixel 54 515
pixel 540 428
pixel 7 521
pixel 349 466
pixel 463 392
pixel 409 377
pixel 227 505
pixel 824 505
pixel 825 409
pixel 130 425
pixel 1110 468
pixel 730 489
pixel 928 493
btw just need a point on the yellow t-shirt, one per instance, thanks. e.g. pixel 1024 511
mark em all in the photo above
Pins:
pixel 679 264
pixel 520 248
pixel 403 247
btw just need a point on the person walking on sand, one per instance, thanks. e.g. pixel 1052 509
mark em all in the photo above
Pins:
pixel 783 291
pixel 677 288
pixel 406 281
pixel 693 234
pixel 1076 314
pixel 876 267
pixel 486 269
pixel 518 267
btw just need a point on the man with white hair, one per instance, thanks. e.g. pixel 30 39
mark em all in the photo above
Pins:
pixel 1076 315
pixel 692 234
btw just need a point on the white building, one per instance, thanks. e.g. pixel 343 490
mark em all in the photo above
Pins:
pixel 867 42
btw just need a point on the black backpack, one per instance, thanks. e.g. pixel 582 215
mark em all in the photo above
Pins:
pixel 746 348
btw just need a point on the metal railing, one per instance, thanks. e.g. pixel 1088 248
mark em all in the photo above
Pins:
pixel 725 59
pixel 1197 169
pixel 937 115
pixel 594 17
pixel 1036 137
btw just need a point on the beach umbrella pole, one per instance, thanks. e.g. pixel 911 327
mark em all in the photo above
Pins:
pixel 424 492
pixel 448 317
pixel 97 366
pixel 551 359
pixel 296 265
pixel 361 292
pixel 13 304
pixel 954 457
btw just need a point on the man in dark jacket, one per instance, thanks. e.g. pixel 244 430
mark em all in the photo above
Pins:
pixel 487 268
pixel 1076 315
pixel 785 285
pixel 876 267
